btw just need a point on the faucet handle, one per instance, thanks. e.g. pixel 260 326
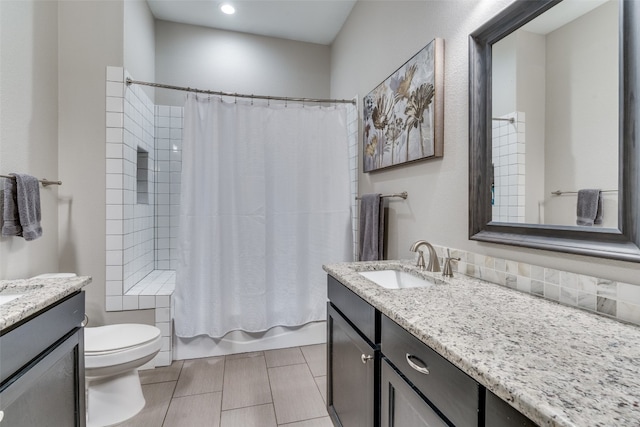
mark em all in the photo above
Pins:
pixel 420 264
pixel 447 271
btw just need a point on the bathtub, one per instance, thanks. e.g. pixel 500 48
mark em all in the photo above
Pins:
pixel 243 342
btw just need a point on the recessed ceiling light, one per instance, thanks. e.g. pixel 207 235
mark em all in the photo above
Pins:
pixel 228 9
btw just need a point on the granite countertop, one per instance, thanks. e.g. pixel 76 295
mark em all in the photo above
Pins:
pixel 558 365
pixel 36 294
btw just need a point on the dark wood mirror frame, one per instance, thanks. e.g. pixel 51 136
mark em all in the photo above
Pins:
pixel 620 244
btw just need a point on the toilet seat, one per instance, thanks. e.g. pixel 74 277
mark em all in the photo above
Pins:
pixel 112 345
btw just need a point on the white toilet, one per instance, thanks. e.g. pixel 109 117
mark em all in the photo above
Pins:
pixel 112 356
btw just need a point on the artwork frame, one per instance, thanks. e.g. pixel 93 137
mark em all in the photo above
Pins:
pixel 403 117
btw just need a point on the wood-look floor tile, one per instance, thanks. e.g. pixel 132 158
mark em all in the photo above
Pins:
pixel 163 374
pixel 241 355
pixel 157 397
pixel 316 422
pixel 283 357
pixel 246 383
pixel 316 357
pixel 252 416
pixel 195 411
pixel 322 386
pixel 200 376
pixel 295 394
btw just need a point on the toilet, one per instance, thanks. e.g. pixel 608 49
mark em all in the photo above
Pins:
pixel 112 356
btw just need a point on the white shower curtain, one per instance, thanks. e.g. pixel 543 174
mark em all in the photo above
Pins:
pixel 265 202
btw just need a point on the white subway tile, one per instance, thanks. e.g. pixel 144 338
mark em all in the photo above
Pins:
pixel 163 301
pixel 115 74
pixel 115 89
pixel 114 257
pixel 165 328
pixel 115 120
pixel 130 302
pixel 163 314
pixel 146 301
pixel 115 104
pixel 114 272
pixel 163 358
pixel 113 303
pixel 113 287
pixel 114 135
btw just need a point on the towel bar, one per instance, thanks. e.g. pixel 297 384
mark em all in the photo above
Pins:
pixel 560 193
pixel 403 195
pixel 44 181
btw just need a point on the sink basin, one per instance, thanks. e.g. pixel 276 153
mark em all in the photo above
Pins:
pixel 7 298
pixel 395 279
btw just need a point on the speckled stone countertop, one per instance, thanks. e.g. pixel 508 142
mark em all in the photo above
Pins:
pixel 37 294
pixel 558 365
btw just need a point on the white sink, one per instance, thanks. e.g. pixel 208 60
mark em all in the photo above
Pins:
pixel 7 298
pixel 395 279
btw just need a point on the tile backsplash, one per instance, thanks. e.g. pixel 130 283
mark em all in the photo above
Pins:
pixel 607 297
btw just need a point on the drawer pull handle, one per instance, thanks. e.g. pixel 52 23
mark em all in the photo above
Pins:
pixel 365 358
pixel 420 366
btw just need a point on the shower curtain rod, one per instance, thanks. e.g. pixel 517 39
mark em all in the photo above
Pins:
pixel 239 95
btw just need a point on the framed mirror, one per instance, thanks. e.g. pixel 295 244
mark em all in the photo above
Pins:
pixel 554 115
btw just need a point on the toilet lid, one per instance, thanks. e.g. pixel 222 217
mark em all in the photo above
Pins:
pixel 118 337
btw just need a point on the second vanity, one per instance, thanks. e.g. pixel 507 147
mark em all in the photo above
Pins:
pixel 481 354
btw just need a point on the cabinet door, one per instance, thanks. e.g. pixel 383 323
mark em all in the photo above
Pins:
pixel 351 369
pixel 402 406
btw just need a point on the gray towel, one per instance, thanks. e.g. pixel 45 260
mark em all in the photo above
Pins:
pixel 28 188
pixel 371 227
pixel 10 215
pixel 589 207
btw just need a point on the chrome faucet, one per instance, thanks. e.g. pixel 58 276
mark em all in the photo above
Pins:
pixel 434 264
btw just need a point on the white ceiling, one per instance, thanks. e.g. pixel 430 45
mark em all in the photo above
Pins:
pixel 561 14
pixel 312 21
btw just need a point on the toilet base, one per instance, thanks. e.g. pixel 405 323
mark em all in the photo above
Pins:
pixel 113 399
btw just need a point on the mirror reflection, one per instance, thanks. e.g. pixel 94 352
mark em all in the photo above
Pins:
pixel 555 118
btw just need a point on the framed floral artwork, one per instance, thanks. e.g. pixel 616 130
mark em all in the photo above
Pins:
pixel 403 115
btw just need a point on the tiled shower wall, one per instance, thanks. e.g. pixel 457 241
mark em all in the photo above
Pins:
pixel 130 220
pixel 169 122
pixel 508 152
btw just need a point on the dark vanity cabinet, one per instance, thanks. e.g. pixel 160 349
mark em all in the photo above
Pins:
pixel 379 374
pixel 352 358
pixel 440 390
pixel 42 368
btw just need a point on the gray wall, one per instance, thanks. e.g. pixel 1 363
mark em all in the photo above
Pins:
pixel 90 39
pixel 29 124
pixel 362 56
pixel 203 58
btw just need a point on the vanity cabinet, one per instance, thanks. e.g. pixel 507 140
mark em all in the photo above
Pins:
pixel 446 388
pixel 499 413
pixel 42 369
pixel 402 405
pixel 380 375
pixel 352 358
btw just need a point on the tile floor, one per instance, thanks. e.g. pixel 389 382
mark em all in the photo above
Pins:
pixel 284 387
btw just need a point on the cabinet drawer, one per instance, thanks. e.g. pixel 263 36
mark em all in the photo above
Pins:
pixel 452 391
pixel 359 312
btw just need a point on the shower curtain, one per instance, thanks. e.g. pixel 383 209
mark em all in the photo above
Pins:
pixel 265 202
